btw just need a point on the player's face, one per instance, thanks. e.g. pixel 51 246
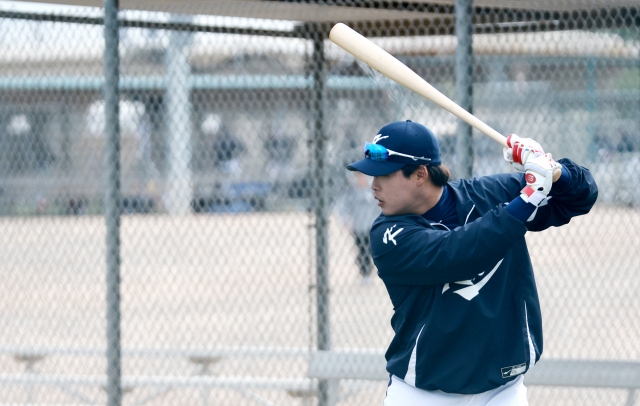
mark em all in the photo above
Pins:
pixel 396 194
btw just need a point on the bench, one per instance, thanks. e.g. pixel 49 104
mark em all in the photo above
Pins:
pixel 202 359
pixel 333 367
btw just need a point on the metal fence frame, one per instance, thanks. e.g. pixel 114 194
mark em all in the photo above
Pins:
pixel 327 367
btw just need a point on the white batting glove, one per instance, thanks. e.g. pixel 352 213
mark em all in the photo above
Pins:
pixel 520 151
pixel 539 178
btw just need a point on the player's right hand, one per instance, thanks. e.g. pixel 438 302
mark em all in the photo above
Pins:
pixel 520 151
pixel 539 177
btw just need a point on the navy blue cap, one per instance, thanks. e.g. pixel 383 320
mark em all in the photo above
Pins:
pixel 407 138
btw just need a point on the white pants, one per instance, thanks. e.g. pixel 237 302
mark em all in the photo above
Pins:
pixel 399 393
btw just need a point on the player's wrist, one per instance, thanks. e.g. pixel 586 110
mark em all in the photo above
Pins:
pixel 532 196
pixel 520 209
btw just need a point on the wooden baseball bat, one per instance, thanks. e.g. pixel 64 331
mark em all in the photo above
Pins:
pixel 380 60
pixel 388 65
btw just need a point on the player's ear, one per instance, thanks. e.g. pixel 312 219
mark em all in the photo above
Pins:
pixel 422 175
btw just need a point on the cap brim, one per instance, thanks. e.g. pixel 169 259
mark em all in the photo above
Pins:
pixel 375 168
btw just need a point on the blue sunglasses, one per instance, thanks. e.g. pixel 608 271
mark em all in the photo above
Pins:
pixel 377 152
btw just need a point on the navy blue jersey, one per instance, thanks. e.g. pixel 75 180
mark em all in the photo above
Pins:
pixel 466 310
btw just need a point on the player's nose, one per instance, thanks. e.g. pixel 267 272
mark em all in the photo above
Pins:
pixel 374 184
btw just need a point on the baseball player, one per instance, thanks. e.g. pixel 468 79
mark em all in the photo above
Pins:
pixel 455 263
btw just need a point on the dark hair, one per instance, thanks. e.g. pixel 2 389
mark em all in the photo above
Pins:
pixel 439 174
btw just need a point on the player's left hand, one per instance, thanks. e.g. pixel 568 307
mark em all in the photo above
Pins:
pixel 520 151
pixel 539 177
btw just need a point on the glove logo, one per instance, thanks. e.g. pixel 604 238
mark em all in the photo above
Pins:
pixel 388 236
pixel 530 178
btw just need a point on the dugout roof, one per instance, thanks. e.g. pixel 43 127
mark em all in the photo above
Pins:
pixel 417 17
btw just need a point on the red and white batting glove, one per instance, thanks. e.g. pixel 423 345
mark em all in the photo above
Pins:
pixel 539 178
pixel 520 151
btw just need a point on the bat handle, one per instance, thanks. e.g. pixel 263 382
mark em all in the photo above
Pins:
pixel 556 174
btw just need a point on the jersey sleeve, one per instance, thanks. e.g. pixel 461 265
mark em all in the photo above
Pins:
pixel 407 251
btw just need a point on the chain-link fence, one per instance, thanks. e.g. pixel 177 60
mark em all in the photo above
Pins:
pixel 199 241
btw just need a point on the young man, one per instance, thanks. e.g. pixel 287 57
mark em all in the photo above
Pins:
pixel 454 260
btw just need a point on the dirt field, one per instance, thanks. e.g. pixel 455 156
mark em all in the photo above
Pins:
pixel 246 280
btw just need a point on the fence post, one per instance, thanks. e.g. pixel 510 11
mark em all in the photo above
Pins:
pixel 464 86
pixel 591 87
pixel 112 200
pixel 179 191
pixel 326 392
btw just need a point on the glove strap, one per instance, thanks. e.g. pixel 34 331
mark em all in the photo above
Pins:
pixel 530 195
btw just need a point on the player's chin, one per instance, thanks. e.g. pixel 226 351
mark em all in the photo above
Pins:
pixel 386 210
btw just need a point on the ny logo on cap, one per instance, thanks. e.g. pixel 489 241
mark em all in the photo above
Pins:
pixel 379 137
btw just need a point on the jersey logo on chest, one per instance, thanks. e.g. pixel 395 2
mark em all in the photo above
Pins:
pixel 473 286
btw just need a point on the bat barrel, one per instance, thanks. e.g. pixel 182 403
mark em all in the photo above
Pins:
pixel 380 60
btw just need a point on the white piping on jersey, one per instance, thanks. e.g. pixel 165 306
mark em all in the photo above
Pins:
pixel 446 285
pixel 532 350
pixel 543 203
pixel 467 219
pixel 448 229
pixel 440 224
pixel 410 377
